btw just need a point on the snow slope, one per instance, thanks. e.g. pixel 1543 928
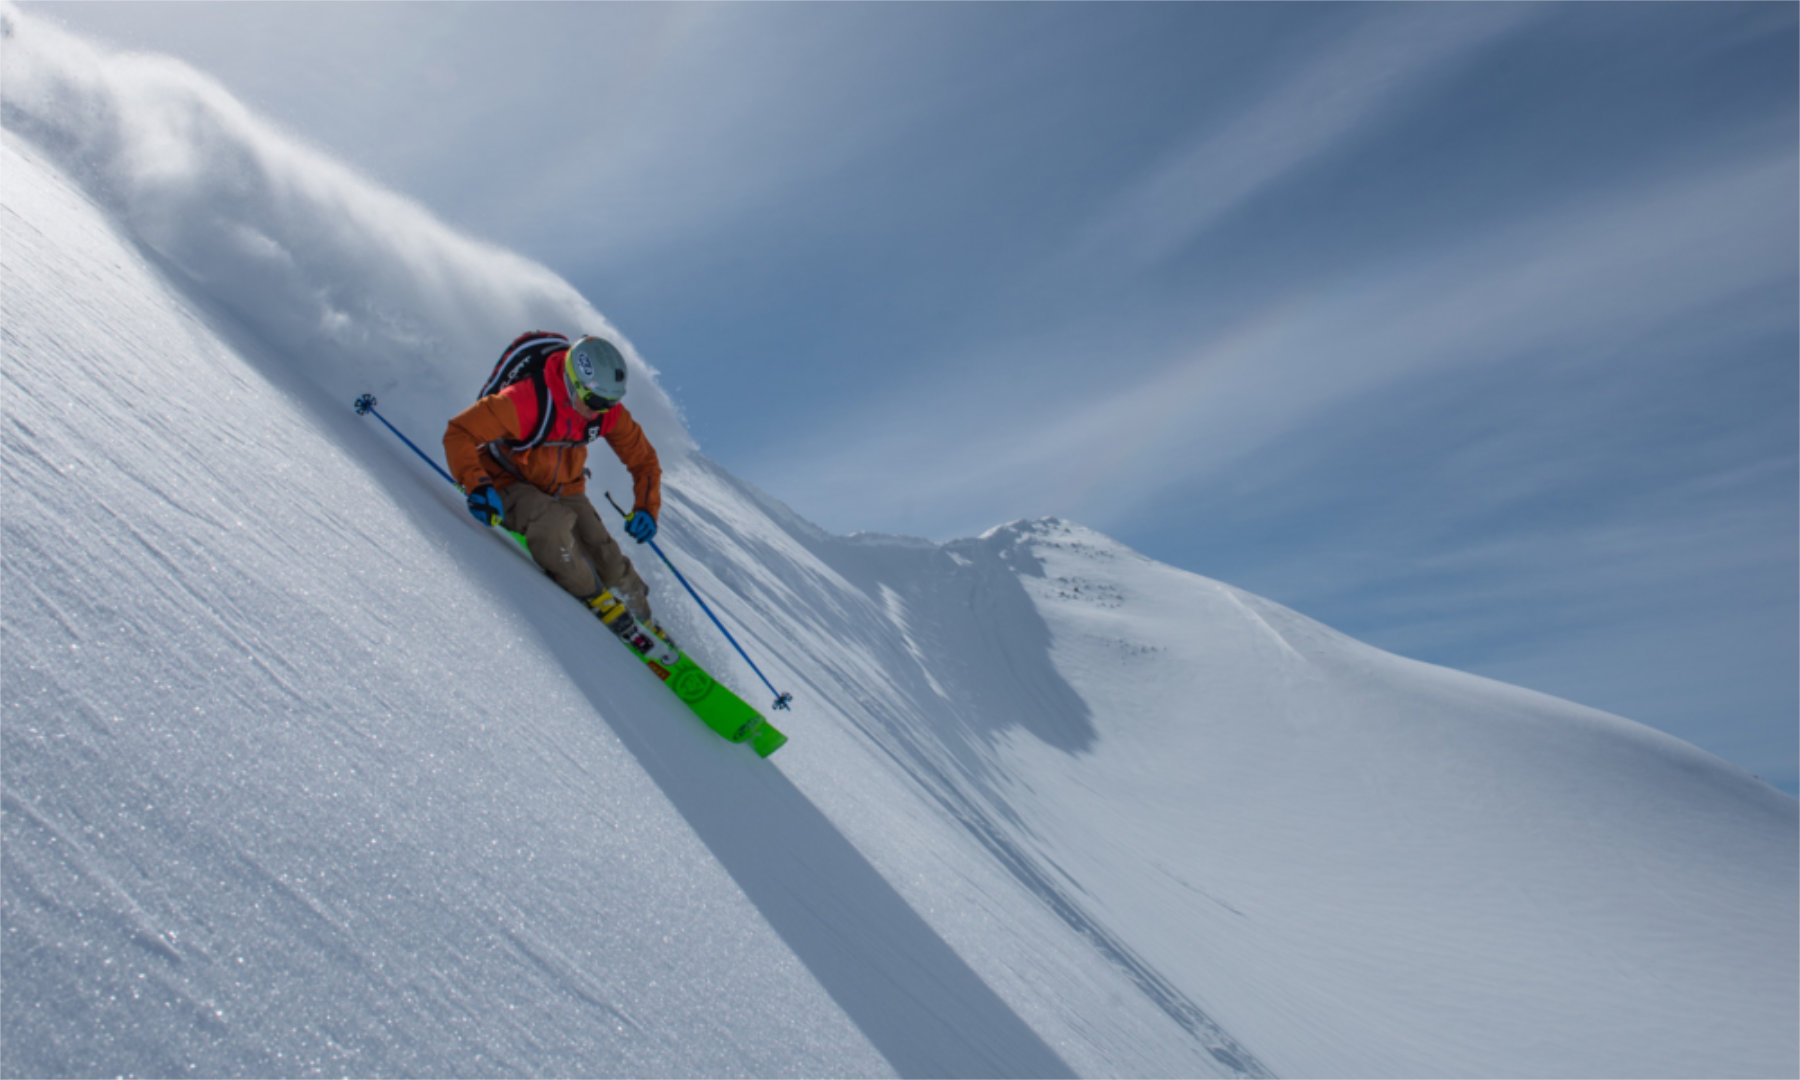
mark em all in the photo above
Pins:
pixel 1343 862
pixel 304 772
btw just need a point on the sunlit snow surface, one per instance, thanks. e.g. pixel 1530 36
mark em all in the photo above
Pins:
pixel 305 773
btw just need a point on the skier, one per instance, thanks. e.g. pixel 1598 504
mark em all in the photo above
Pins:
pixel 520 454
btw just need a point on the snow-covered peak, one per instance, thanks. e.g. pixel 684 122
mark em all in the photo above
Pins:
pixel 1026 529
pixel 1058 534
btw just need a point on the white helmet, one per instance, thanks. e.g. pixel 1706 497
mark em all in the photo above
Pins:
pixel 596 372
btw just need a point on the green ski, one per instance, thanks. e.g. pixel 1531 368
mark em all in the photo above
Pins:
pixel 712 701
pixel 717 706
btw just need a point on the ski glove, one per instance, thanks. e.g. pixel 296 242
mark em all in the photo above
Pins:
pixel 484 503
pixel 640 525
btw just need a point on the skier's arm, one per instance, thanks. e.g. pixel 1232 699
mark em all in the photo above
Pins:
pixel 628 441
pixel 493 417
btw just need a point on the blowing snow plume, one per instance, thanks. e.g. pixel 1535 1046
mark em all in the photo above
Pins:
pixel 365 285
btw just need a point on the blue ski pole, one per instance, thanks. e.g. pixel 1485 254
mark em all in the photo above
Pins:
pixel 781 699
pixel 366 404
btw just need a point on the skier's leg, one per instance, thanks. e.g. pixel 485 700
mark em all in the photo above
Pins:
pixel 616 571
pixel 549 527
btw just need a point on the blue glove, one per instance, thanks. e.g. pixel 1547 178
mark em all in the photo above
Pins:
pixel 484 503
pixel 640 525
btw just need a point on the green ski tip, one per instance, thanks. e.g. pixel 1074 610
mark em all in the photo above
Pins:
pixel 767 740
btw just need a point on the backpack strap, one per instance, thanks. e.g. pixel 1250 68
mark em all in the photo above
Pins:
pixel 546 412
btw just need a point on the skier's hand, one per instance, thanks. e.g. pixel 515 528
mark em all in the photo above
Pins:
pixel 484 503
pixel 640 525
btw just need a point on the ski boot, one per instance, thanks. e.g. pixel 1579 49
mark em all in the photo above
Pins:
pixel 649 623
pixel 617 618
pixel 638 604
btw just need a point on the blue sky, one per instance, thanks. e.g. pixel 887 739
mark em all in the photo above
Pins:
pixel 1470 330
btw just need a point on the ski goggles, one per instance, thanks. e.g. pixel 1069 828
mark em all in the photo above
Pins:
pixel 595 401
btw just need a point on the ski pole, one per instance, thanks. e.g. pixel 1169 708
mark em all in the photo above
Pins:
pixel 366 404
pixel 781 699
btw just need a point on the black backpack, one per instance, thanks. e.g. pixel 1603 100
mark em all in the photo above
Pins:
pixel 524 359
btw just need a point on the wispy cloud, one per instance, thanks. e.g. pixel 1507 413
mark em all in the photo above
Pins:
pixel 1594 271
pixel 714 117
pixel 1354 82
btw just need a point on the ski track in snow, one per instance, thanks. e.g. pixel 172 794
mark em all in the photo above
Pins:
pixel 304 773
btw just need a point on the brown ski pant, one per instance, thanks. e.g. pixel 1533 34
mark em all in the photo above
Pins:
pixel 566 535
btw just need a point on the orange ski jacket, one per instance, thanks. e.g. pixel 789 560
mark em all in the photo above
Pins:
pixel 477 443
